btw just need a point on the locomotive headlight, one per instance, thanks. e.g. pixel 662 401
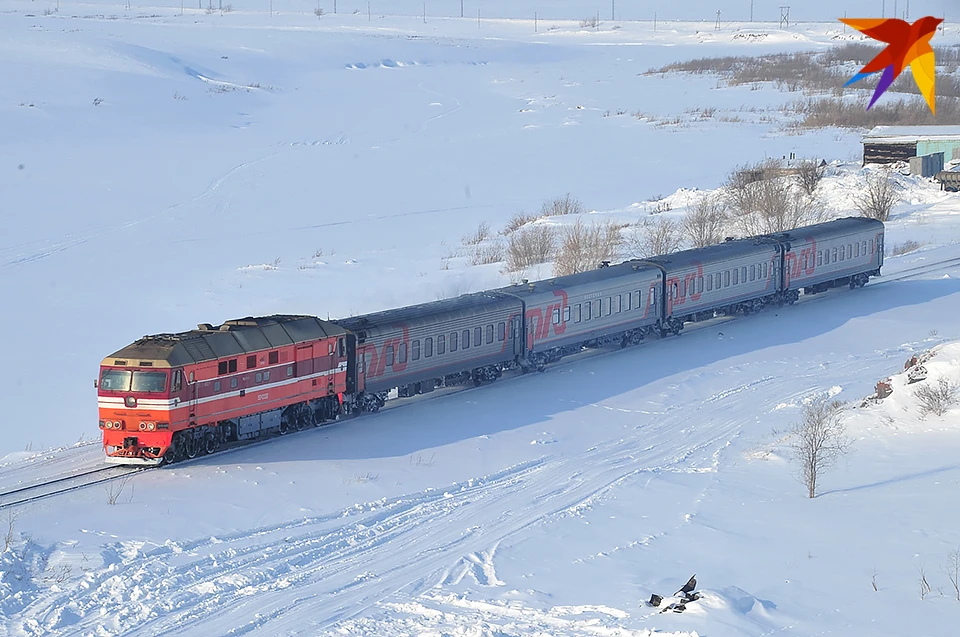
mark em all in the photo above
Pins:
pixel 151 426
pixel 143 426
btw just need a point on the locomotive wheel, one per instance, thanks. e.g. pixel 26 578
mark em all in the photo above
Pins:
pixel 209 444
pixel 284 427
pixel 192 447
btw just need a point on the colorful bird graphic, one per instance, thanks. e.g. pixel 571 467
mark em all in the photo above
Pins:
pixel 907 44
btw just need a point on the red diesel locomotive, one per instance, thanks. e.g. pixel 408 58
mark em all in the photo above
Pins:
pixel 172 396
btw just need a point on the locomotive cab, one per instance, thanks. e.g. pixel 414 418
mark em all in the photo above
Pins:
pixel 135 401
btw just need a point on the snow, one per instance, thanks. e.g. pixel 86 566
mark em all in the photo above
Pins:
pixel 242 163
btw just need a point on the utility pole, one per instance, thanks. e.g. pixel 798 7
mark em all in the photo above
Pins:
pixel 613 10
pixel 461 8
pixel 654 20
pixel 751 10
pixel 717 28
pixel 478 18
pixel 424 12
pixel 534 21
pixel 334 6
pixel 368 10
pixel 908 11
pixel 271 8
pixel 883 9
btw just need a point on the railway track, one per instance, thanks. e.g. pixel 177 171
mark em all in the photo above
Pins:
pixel 102 475
pixel 64 484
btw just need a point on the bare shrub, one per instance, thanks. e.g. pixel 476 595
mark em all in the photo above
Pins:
pixel 517 221
pixel 584 247
pixel 809 175
pixel 937 399
pixel 878 197
pixel 115 489
pixel 589 23
pixel 703 222
pixel 318 12
pixel 924 585
pixel 819 441
pixel 653 237
pixel 565 205
pixel 481 234
pixel 11 533
pixel 531 245
pixel 770 205
pixel 903 248
pixel 488 253
pixel 741 185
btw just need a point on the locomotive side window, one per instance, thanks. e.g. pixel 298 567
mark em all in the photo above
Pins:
pixel 675 291
pixel 489 334
pixel 232 365
pixel 342 346
pixel 258 377
pixel 389 355
pixel 402 353
pixel 251 362
pixel 415 350
pixel 266 375
pixel 234 382
pixel 222 367
pixel 216 386
pixel 177 380
pixel 501 331
pixel 577 313
pixel 428 347
pixel 274 357
pixel 191 377
pixel 289 371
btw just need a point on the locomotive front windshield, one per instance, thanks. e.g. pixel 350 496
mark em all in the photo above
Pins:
pixel 126 380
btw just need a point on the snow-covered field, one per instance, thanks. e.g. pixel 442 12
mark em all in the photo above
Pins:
pixel 162 170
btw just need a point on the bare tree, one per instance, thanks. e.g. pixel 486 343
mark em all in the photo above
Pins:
pixel 819 441
pixel 936 399
pixel 531 245
pixel 952 570
pixel 742 185
pixel 584 247
pixel 809 174
pixel 704 220
pixel 11 533
pixel 878 197
pixel 652 237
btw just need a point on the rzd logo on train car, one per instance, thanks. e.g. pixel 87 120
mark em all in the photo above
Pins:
pixel 540 320
pixel 376 363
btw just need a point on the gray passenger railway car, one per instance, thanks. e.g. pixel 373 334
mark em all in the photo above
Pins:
pixel 418 348
pixel 619 303
pixel 731 276
pixel 843 252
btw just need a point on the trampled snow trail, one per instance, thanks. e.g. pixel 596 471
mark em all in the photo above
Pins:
pixel 320 571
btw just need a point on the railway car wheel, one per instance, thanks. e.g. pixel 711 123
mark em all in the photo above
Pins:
pixel 192 448
pixel 209 444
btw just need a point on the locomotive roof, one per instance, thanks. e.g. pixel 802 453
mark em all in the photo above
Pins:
pixel 412 314
pixel 597 275
pixel 234 337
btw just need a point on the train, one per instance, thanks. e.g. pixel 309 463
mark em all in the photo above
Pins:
pixel 168 397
